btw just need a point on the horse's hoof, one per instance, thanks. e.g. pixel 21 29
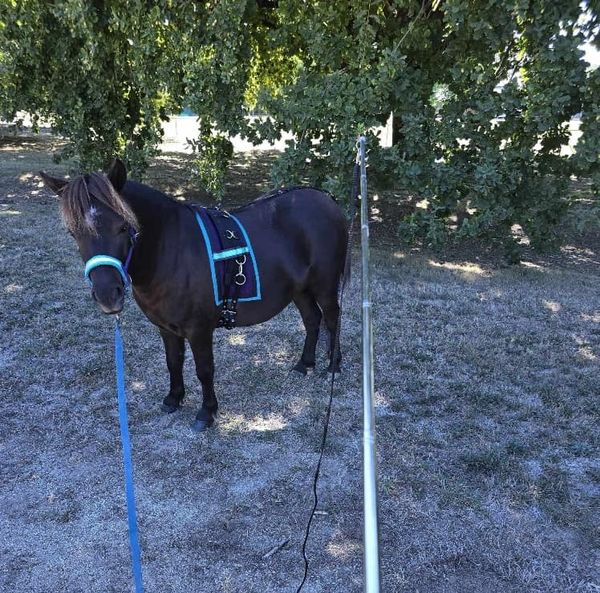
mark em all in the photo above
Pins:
pixel 202 425
pixel 330 369
pixel 300 367
pixel 204 419
pixel 170 408
pixel 172 403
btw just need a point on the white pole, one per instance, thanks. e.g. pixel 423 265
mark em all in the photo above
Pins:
pixel 371 533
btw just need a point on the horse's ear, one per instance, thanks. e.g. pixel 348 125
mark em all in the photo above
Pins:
pixel 117 174
pixel 56 184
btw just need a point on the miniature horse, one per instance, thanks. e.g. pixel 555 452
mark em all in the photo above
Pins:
pixel 299 239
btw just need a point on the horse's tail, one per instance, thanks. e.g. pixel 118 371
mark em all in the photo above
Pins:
pixel 347 271
pixel 354 201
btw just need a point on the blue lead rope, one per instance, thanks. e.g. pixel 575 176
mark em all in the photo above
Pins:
pixel 128 466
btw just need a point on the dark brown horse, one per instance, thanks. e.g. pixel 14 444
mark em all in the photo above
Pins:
pixel 299 240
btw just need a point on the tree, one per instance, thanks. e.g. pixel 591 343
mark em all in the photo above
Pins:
pixel 104 74
pixel 481 93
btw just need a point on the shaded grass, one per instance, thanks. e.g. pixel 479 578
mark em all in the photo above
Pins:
pixel 486 385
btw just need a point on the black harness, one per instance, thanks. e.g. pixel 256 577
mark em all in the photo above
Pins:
pixel 229 237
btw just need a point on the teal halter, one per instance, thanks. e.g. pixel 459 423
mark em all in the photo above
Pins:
pixel 109 260
pixel 106 260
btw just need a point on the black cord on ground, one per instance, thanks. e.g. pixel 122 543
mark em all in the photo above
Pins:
pixel 336 349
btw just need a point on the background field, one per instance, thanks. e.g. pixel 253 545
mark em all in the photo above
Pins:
pixel 487 408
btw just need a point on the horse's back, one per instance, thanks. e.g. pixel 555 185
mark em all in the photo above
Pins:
pixel 302 232
pixel 301 209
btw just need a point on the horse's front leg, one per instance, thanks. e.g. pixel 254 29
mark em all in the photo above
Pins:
pixel 175 352
pixel 202 347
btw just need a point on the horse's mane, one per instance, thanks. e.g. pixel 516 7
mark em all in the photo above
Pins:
pixel 76 202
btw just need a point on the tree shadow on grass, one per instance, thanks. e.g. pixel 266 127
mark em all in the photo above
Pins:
pixel 248 177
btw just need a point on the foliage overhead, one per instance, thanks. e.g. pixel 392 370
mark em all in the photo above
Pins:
pixel 482 93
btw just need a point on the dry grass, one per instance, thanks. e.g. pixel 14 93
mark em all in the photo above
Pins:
pixel 487 390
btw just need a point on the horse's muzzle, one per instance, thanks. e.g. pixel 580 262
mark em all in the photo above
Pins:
pixel 110 299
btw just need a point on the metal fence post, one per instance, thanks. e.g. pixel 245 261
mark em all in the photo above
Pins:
pixel 371 528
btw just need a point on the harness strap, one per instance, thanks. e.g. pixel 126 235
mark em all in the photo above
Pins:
pixel 230 253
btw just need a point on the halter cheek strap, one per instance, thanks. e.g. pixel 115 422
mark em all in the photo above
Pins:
pixel 106 260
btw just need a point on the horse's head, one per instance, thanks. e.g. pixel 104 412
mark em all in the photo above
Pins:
pixel 103 227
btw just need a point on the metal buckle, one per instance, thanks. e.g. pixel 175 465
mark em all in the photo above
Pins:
pixel 240 277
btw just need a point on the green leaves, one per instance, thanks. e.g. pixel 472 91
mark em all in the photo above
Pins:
pixel 481 94
pixel 94 71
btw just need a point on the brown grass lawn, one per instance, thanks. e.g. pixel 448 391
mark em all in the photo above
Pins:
pixel 487 408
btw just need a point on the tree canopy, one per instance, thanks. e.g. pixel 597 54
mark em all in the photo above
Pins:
pixel 481 91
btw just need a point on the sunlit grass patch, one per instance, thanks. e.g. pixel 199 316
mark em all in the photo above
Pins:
pixel 466 269
pixel 243 423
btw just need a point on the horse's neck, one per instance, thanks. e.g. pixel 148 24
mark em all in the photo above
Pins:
pixel 154 211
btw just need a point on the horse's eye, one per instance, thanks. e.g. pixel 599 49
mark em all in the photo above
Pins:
pixel 124 228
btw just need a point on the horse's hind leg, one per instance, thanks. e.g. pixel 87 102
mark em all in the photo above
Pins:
pixel 331 310
pixel 202 347
pixel 175 352
pixel 311 316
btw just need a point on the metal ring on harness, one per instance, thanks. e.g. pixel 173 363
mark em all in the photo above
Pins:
pixel 240 277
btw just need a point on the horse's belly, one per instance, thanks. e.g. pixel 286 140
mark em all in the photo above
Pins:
pixel 254 312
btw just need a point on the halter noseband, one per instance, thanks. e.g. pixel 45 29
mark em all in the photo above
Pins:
pixel 108 260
